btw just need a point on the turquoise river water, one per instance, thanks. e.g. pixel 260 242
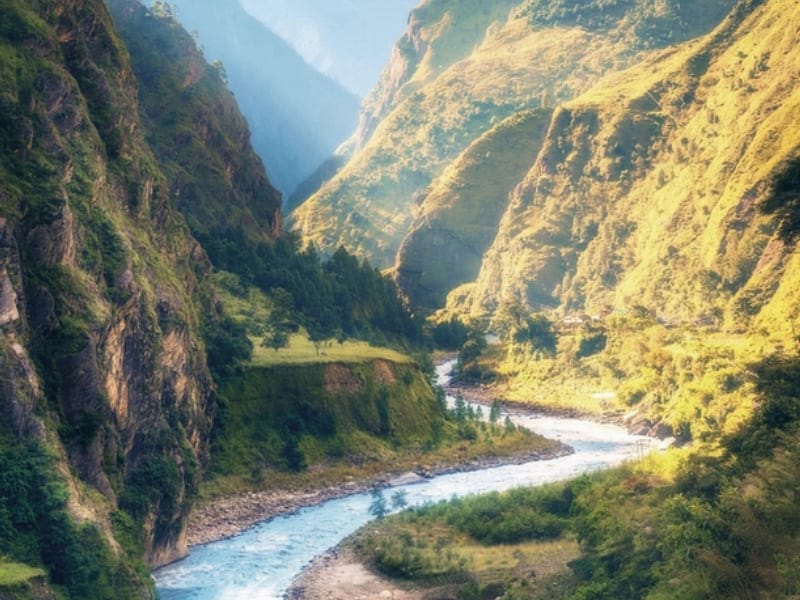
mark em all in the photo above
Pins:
pixel 261 563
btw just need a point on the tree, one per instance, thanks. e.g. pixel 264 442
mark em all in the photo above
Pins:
pixel 437 429
pixel 378 507
pixel 384 414
pixel 469 352
pixel 276 339
pixel 399 499
pixel 318 333
pixel 280 322
pixel 538 332
pixel 509 425
pixel 460 409
pixel 293 454
pixel 494 413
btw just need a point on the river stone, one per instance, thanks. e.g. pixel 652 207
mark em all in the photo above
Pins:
pixel 407 479
pixel 8 299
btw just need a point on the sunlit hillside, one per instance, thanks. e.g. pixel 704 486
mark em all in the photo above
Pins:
pixel 666 186
pixel 459 71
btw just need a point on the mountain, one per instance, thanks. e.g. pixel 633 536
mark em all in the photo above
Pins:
pixel 107 402
pixel 667 185
pixel 461 69
pixel 297 116
pixel 127 358
pixel 348 41
pixel 595 184
pixel 216 179
pixel 107 399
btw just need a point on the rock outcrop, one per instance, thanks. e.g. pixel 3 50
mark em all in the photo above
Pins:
pixel 102 286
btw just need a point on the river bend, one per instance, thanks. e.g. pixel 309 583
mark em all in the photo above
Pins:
pixel 261 563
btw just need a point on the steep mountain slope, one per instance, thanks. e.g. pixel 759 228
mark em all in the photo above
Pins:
pixel 462 68
pixel 348 41
pixel 193 124
pixel 656 235
pixel 107 402
pixel 669 185
pixel 459 215
pixel 297 115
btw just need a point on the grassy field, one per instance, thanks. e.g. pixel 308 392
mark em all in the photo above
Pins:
pixel 12 573
pixel 251 307
pixel 430 549
pixel 301 350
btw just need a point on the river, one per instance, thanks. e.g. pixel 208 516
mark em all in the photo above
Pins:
pixel 261 563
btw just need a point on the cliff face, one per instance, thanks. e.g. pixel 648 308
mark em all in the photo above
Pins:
pixel 193 124
pixel 102 366
pixel 462 69
pixel 296 123
pixel 662 186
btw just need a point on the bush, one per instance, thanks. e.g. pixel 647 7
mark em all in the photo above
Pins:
pixel 36 529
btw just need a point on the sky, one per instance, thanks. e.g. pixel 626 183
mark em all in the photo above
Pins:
pixel 349 40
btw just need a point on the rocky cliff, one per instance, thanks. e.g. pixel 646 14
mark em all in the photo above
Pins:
pixel 103 376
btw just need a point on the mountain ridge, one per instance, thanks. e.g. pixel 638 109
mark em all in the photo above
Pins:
pixel 454 77
pixel 297 115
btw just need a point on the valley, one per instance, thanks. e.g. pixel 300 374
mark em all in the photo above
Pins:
pixel 281 548
pixel 220 316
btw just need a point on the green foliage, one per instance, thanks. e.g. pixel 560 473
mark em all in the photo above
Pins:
pixel 512 517
pixel 378 507
pixel 537 331
pixel 194 126
pixel 227 346
pixel 291 417
pixel 591 344
pixel 384 415
pixel 403 557
pixel 726 527
pixel 450 335
pixel 467 366
pixel 292 453
pixel 104 252
pixel 280 322
pixel 339 295
pixel 37 530
pixel 494 413
pixel 399 500
pixel 152 485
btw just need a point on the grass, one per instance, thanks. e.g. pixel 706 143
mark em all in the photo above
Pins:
pixel 12 573
pixel 423 549
pixel 252 307
pixel 301 350
pixel 374 459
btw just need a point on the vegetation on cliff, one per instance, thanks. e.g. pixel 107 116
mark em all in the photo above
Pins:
pixel 103 376
pixel 297 115
pixel 462 69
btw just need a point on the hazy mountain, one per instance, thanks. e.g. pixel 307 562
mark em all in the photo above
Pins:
pixel 118 145
pixel 351 40
pixel 297 115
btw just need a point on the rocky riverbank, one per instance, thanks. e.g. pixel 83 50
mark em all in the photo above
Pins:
pixel 230 515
